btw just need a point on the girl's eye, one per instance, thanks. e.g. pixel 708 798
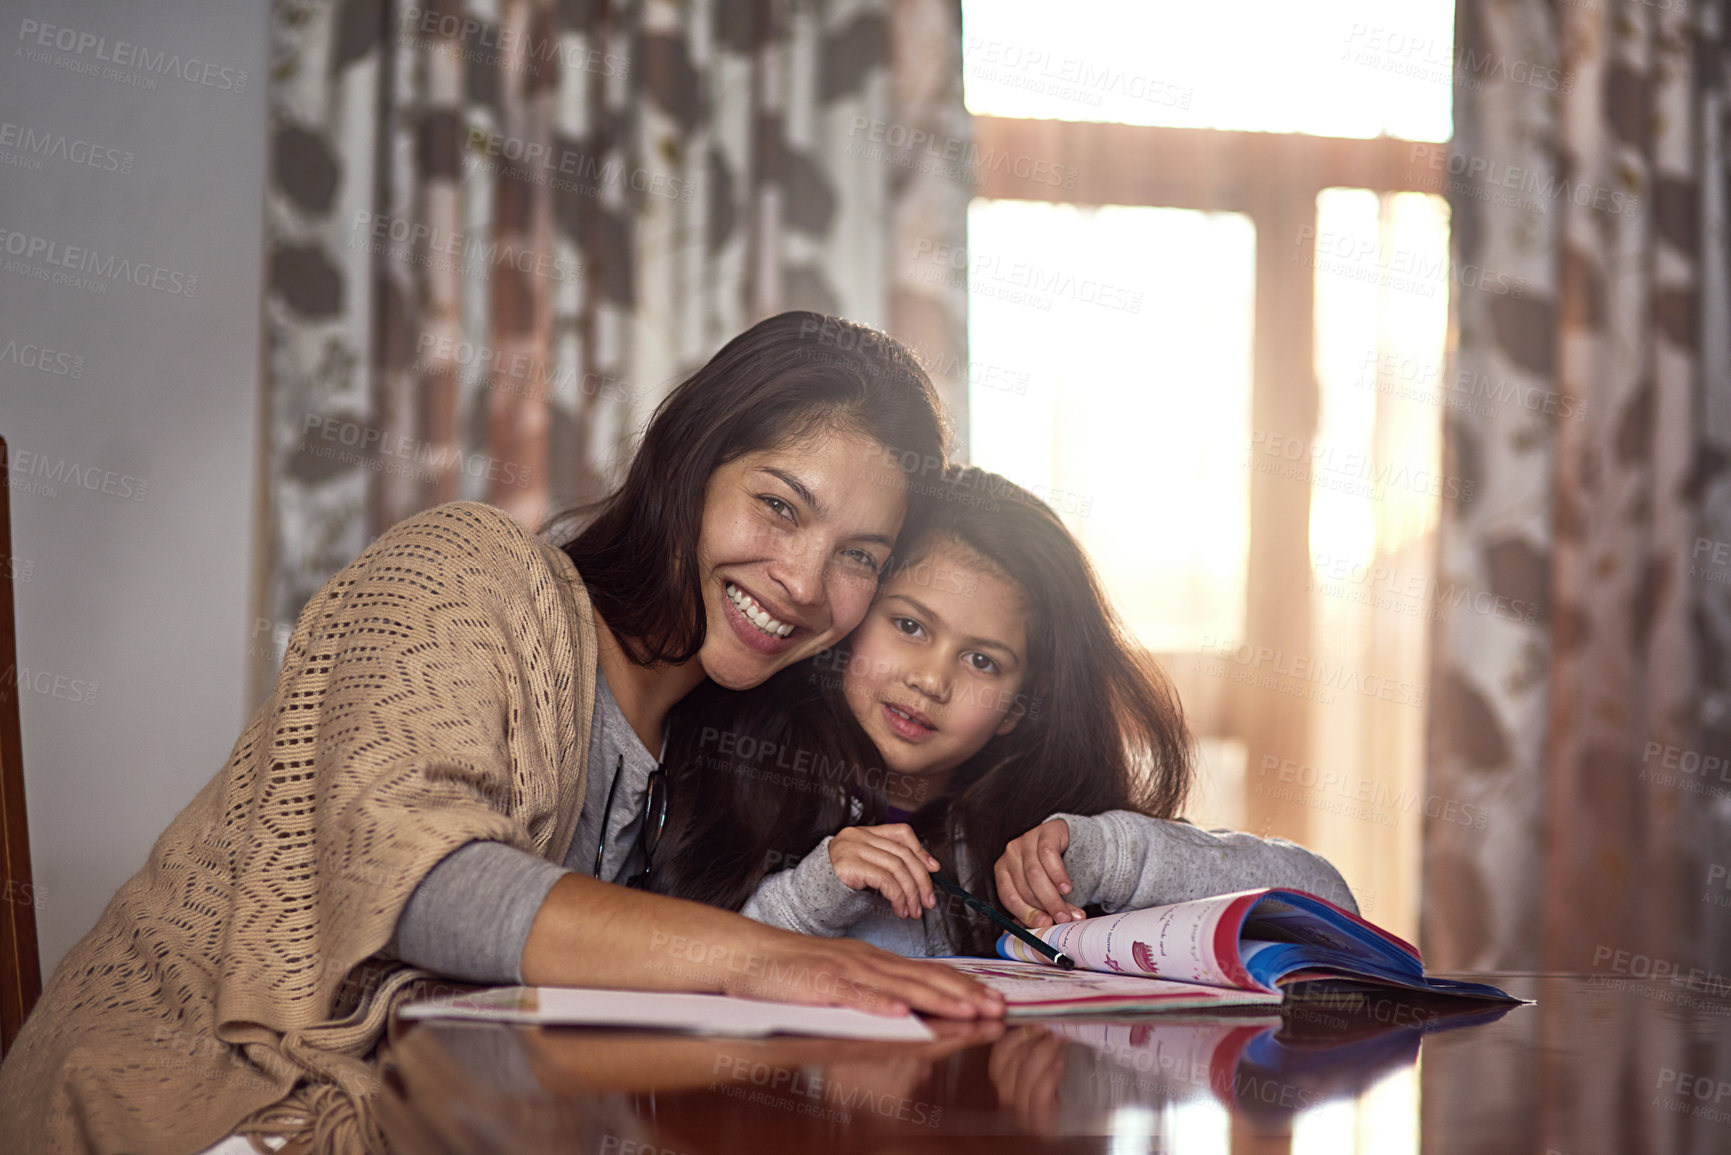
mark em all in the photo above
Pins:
pixel 776 505
pixel 984 663
pixel 907 626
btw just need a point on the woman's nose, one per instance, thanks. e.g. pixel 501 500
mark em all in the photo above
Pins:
pixel 798 569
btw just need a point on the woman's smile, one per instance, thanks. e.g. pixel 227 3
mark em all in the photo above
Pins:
pixel 755 625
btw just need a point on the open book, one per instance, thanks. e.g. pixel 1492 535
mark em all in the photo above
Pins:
pixel 1254 940
pixel 1037 990
pixel 665 1010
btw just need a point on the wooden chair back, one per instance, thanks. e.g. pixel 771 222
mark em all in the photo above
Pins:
pixel 20 967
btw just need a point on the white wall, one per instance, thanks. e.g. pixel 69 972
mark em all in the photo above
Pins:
pixel 142 592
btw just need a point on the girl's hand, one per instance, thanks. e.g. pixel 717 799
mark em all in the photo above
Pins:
pixel 889 860
pixel 1031 878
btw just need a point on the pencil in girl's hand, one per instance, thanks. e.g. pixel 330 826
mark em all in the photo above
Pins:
pixel 997 916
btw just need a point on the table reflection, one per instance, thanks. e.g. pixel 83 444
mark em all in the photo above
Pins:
pixel 1600 1063
pixel 1221 1081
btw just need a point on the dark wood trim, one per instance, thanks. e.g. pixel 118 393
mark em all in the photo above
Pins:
pixel 20 967
pixel 1081 162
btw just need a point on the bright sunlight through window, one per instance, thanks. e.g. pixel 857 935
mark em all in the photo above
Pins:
pixel 1111 377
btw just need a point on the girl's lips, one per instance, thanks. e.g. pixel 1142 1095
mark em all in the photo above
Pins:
pixel 746 630
pixel 905 727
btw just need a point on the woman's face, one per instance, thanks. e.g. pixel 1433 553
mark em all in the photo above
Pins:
pixel 789 551
pixel 937 666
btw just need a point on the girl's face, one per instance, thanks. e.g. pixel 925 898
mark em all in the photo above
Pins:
pixel 937 665
pixel 789 550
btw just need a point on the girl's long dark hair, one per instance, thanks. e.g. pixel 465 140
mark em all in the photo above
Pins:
pixel 767 774
pixel 791 375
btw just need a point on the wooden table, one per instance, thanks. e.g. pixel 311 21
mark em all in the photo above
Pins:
pixel 1600 1063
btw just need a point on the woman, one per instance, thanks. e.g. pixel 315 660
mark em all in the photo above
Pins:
pixel 446 689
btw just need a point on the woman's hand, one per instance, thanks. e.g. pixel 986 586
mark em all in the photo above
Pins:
pixel 1031 878
pixel 846 972
pixel 889 860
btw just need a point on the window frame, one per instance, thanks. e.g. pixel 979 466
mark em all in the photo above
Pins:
pixel 1274 179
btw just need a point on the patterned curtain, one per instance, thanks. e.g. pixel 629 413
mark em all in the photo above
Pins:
pixel 500 230
pixel 1589 158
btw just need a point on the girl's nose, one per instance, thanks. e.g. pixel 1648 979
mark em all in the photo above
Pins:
pixel 927 682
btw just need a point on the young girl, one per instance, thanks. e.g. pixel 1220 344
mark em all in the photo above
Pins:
pixel 988 716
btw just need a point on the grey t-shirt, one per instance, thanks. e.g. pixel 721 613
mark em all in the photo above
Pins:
pixel 470 916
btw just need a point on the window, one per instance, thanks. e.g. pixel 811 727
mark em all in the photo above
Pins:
pixel 1125 390
pixel 1215 342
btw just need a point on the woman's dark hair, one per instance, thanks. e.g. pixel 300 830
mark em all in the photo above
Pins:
pixel 756 778
pixel 790 376
pixel 1101 727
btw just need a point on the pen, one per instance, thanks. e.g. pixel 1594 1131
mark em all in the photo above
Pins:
pixel 1045 948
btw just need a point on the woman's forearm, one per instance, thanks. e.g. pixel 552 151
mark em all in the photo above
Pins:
pixel 596 934
pixel 469 918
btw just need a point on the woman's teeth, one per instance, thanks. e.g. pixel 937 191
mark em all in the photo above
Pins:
pixel 755 614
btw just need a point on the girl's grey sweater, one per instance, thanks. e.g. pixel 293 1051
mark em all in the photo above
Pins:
pixel 1120 860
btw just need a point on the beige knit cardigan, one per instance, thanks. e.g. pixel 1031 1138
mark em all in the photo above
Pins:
pixel 436 691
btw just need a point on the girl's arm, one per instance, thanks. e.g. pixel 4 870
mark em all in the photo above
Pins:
pixel 1127 861
pixel 831 888
pixel 809 898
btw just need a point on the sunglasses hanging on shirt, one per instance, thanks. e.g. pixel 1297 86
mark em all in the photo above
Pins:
pixel 653 816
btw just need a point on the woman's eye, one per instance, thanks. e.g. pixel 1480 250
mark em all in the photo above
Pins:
pixel 776 505
pixel 864 558
pixel 982 663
